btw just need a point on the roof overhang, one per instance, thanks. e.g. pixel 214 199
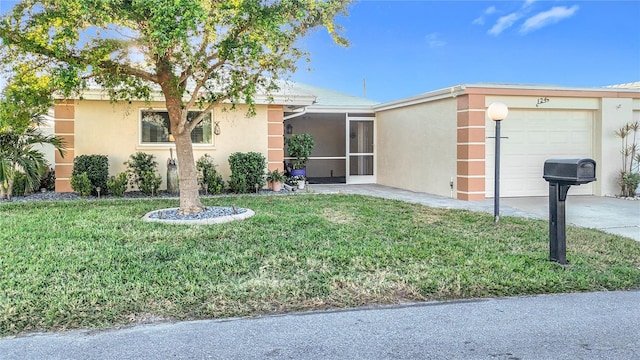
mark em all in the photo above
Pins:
pixel 510 89
pixel 281 98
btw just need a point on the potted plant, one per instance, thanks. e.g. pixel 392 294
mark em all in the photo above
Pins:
pixel 297 181
pixel 299 146
pixel 276 178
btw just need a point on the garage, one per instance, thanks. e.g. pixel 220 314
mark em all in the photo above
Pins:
pixel 529 137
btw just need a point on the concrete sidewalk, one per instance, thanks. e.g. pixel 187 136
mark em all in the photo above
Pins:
pixel 603 325
pixel 616 216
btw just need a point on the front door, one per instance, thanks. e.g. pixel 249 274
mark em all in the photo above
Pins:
pixel 360 149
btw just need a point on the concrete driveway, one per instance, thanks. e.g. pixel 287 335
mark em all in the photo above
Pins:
pixel 613 215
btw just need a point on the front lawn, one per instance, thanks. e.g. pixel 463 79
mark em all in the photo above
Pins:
pixel 96 264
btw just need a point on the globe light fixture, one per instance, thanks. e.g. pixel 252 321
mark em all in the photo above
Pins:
pixel 497 112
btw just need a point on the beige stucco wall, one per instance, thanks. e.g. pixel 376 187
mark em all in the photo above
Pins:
pixel 47 149
pixel 416 146
pixel 612 115
pixel 113 130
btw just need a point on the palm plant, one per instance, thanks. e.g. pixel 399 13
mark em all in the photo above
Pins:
pixel 17 153
pixel 629 177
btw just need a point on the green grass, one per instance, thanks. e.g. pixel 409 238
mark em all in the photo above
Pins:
pixel 94 264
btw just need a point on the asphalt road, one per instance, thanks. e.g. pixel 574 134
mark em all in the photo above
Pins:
pixel 602 325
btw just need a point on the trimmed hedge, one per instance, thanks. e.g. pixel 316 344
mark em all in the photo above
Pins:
pixel 97 169
pixel 247 171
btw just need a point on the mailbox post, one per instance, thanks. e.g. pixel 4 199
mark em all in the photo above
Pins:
pixel 561 174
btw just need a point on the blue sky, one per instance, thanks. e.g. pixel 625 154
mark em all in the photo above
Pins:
pixel 405 48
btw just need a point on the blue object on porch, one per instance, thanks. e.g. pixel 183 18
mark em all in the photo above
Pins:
pixel 298 172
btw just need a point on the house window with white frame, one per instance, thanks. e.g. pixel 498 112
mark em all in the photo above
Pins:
pixel 155 128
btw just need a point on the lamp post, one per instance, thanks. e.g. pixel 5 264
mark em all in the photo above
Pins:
pixel 497 112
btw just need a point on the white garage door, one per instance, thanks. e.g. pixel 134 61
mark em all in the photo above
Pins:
pixel 533 137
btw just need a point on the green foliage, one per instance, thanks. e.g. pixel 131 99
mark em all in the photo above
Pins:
pixel 25 99
pixel 247 171
pixel 19 184
pixel 149 183
pixel 97 169
pixel 117 185
pixel 629 183
pixel 227 50
pixel 48 179
pixel 299 146
pixel 630 173
pixel 17 153
pixel 276 176
pixel 210 180
pixel 238 184
pixel 141 172
pixel 338 250
pixel 81 184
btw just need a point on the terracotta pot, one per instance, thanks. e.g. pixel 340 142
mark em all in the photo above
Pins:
pixel 276 186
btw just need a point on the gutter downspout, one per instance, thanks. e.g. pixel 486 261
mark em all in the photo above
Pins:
pixel 293 116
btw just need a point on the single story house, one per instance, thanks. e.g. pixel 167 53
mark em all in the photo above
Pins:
pixel 439 142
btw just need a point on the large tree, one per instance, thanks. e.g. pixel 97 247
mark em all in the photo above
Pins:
pixel 198 53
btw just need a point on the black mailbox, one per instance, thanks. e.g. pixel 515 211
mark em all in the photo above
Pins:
pixel 570 171
pixel 561 174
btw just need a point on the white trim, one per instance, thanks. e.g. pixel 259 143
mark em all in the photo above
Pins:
pixel 166 145
pixel 360 179
pixel 451 92
pixel 471 192
pixel 340 109
pixel 277 99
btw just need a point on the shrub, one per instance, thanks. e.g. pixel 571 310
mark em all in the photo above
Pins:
pixel 208 177
pixel 19 184
pixel 630 173
pixel 117 185
pixel 238 183
pixel 48 180
pixel 141 172
pixel 149 183
pixel 248 166
pixel 629 183
pixel 299 146
pixel 97 169
pixel 81 184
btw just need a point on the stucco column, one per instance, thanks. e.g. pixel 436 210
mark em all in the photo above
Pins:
pixel 64 118
pixel 275 137
pixel 471 142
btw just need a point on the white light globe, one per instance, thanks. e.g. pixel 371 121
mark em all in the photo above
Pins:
pixel 498 111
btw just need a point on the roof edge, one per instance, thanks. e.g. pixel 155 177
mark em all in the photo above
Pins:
pixel 261 99
pixel 454 91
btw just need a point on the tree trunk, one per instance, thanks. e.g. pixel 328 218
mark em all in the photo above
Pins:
pixel 189 196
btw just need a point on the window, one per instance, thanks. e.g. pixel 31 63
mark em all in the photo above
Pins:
pixel 155 127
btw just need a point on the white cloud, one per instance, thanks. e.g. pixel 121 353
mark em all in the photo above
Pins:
pixel 552 16
pixel 434 40
pixel 528 3
pixel 504 23
pixel 488 11
pixel 478 21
